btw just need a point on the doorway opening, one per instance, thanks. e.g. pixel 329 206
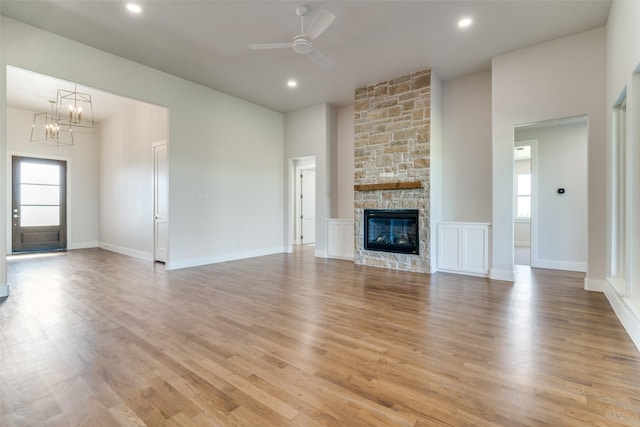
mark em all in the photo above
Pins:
pixel 39 205
pixel 553 194
pixel 522 160
pixel 304 201
pixel 110 176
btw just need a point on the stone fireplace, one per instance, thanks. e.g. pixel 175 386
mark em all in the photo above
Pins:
pixel 391 169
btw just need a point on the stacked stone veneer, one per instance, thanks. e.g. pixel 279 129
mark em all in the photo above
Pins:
pixel 392 135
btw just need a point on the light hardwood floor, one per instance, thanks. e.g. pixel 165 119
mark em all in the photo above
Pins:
pixel 98 339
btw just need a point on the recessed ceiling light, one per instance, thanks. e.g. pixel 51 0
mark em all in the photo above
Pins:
pixel 464 22
pixel 133 8
pixel 292 83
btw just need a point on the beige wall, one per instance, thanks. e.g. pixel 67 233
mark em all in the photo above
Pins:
pixel 466 179
pixel 345 117
pixel 126 178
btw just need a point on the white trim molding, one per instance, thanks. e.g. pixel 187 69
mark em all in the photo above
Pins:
pixel 504 275
pixel 594 285
pixel 627 310
pixel 146 256
pixel 561 265
pixel 195 262
pixel 83 245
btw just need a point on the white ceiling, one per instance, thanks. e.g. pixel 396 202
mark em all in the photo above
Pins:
pixel 206 41
pixel 33 92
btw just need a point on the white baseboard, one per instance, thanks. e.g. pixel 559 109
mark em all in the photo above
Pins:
pixel 463 273
pixel 4 290
pixel 83 245
pixel 628 312
pixel 195 262
pixel 343 257
pixel 594 285
pixel 320 254
pixel 147 256
pixel 560 265
pixel 505 275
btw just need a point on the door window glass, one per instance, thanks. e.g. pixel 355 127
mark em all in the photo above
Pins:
pixel 39 194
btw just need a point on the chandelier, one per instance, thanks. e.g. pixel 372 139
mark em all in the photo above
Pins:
pixel 75 110
pixel 71 112
pixel 46 129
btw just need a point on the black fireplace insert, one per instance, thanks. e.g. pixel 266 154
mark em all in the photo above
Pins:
pixel 391 230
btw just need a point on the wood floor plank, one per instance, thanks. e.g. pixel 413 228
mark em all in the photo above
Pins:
pixel 92 338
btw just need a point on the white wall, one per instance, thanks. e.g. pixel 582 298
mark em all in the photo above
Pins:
pixel 623 66
pixel 82 173
pixel 126 178
pixel 560 220
pixel 308 132
pixel 220 147
pixel 346 119
pixel 466 154
pixel 560 78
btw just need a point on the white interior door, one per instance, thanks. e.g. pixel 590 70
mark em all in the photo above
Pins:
pixel 161 201
pixel 308 206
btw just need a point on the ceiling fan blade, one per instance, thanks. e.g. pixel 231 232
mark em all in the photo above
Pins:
pixel 260 46
pixel 320 20
pixel 321 60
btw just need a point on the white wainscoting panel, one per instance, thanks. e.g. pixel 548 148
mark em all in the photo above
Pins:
pixel 340 236
pixel 463 248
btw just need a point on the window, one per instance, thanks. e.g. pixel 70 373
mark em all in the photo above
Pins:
pixel 523 196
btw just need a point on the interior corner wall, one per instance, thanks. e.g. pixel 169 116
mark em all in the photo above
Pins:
pixel 466 155
pixel 560 78
pixel 82 172
pixel 126 178
pixel 436 174
pixel 332 164
pixel 346 118
pixel 225 154
pixel 306 133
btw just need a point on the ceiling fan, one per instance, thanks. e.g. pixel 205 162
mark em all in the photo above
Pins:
pixel 320 20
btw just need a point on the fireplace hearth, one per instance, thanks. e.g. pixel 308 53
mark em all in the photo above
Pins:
pixel 393 231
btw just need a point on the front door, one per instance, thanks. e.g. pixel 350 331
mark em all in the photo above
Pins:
pixel 39 214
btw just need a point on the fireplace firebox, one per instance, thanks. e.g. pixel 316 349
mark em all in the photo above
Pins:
pixel 391 230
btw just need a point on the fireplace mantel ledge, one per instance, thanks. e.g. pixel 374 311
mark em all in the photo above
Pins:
pixel 388 186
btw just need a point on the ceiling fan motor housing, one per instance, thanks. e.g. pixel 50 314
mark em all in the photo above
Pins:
pixel 301 45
